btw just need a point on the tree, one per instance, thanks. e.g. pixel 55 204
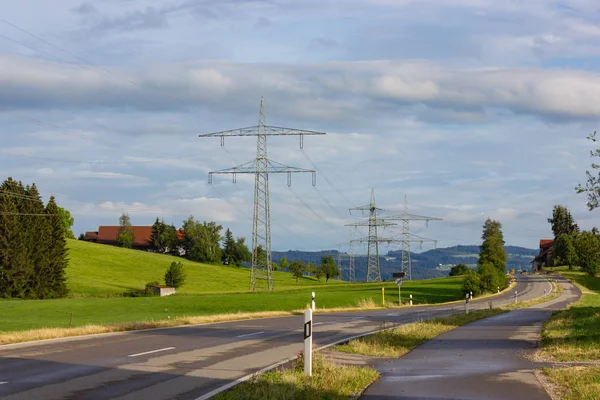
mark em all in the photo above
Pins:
pixel 67 221
pixel 57 254
pixel 592 186
pixel 564 250
pixel 588 249
pixel 175 275
pixel 312 268
pixel 459 269
pixel 242 252
pixel 492 249
pixel 81 236
pixel 297 269
pixel 33 253
pixel 125 235
pixel 562 222
pixel 328 268
pixel 472 283
pixel 229 249
pixel 202 241
pixel 490 278
pixel 155 236
pixel 283 263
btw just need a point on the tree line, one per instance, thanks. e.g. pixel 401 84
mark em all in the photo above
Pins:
pixel 572 247
pixel 33 253
pixel 195 240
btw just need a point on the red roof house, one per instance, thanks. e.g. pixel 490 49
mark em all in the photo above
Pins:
pixel 141 235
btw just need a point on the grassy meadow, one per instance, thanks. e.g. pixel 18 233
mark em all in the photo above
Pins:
pixel 572 335
pixel 98 275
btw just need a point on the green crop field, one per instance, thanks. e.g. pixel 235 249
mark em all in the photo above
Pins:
pixel 98 275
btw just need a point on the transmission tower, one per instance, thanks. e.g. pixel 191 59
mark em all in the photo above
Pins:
pixel 261 167
pixel 408 237
pixel 373 240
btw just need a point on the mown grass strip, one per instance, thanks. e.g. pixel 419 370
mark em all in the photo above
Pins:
pixel 329 381
pixel 573 334
pixel 574 383
pixel 398 341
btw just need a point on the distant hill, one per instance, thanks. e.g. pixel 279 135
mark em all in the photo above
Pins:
pixel 424 265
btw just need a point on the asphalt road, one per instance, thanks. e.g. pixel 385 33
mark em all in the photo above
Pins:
pixel 487 359
pixel 192 361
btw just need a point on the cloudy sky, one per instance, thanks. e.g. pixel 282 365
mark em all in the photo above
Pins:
pixel 471 108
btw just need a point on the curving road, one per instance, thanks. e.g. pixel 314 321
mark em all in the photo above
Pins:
pixel 193 362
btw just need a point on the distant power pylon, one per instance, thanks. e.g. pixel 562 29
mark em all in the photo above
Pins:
pixel 347 259
pixel 373 240
pixel 408 237
pixel 261 270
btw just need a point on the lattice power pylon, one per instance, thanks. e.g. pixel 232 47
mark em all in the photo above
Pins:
pixel 408 237
pixel 261 167
pixel 373 240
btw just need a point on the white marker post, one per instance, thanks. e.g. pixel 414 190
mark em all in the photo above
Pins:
pixel 467 303
pixel 498 289
pixel 313 301
pixel 411 299
pixel 471 294
pixel 308 342
pixel 516 297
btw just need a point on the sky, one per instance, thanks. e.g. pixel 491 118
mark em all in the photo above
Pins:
pixel 469 108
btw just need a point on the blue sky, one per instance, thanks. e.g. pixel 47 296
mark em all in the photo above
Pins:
pixel 472 108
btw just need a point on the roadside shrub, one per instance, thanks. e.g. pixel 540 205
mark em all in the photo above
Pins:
pixel 175 276
pixel 472 283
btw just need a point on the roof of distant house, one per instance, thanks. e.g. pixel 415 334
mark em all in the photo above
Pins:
pixel 141 234
pixel 546 243
pixel 91 236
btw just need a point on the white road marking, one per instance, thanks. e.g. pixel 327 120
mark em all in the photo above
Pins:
pixel 3 383
pixel 150 352
pixel 251 334
pixel 318 323
pixel 393 314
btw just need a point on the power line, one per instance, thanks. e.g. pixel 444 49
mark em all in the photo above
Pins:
pixel 75 161
pixel 325 177
pixel 61 49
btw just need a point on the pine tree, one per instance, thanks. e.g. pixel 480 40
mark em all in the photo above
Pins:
pixel 156 236
pixel 14 264
pixel 562 222
pixel 57 254
pixel 37 231
pixel 229 250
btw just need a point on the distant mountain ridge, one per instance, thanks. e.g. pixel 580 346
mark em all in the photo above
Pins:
pixel 424 265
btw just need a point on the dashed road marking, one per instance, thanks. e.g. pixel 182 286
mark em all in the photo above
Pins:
pixel 150 352
pixel 251 334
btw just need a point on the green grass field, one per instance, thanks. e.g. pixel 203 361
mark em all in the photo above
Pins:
pixel 573 334
pixel 97 270
pixel 98 275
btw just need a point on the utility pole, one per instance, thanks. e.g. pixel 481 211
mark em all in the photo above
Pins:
pixel 373 240
pixel 261 167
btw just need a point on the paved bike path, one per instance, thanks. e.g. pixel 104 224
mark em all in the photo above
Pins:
pixel 483 360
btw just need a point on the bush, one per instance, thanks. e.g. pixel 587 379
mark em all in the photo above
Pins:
pixel 472 283
pixel 175 276
pixel 147 292
pixel 459 269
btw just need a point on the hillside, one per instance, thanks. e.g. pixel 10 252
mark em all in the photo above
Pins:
pixel 424 265
pixel 102 270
